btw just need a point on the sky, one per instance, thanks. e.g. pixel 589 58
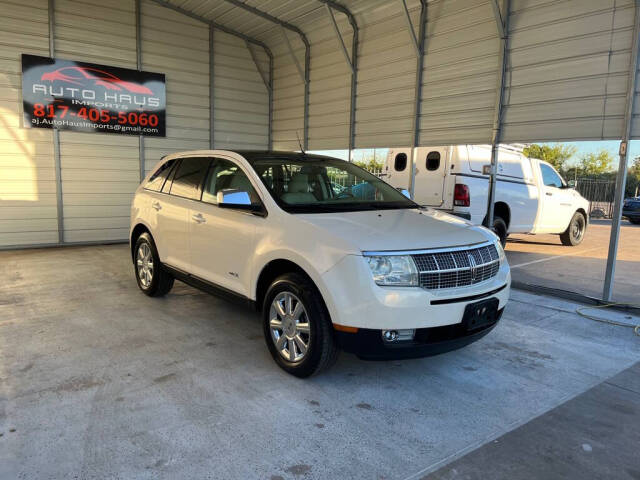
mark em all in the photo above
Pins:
pixel 582 148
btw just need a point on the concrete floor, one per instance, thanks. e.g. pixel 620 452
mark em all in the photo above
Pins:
pixel 99 381
pixel 543 260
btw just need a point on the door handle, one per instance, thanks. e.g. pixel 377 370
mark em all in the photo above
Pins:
pixel 549 194
pixel 156 205
pixel 198 218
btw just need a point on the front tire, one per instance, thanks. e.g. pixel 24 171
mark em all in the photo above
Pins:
pixel 574 233
pixel 152 279
pixel 635 221
pixel 297 326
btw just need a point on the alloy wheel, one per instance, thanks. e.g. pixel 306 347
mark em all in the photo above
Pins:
pixel 289 326
pixel 144 263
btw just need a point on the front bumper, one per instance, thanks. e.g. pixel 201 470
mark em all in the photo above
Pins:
pixel 368 344
pixel 354 300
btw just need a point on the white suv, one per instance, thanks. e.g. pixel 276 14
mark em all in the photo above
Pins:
pixel 332 256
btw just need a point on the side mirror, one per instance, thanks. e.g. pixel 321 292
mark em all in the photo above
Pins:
pixel 232 197
pixel 237 199
pixel 571 184
pixel 405 192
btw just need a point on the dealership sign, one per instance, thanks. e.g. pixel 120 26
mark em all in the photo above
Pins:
pixel 86 97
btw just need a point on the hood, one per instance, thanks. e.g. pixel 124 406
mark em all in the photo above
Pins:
pixel 399 229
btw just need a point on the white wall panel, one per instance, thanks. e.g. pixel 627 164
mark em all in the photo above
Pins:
pixel 167 36
pixel 241 99
pixel 102 165
pixel 28 212
pixel 568 69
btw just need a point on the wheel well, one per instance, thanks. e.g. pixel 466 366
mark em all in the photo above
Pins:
pixel 271 271
pixel 137 231
pixel 501 209
pixel 581 210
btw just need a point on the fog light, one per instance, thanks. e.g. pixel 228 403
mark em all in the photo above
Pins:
pixel 398 335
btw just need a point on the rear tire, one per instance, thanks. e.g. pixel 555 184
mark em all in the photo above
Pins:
pixel 297 326
pixel 500 229
pixel 574 233
pixel 152 278
pixel 635 221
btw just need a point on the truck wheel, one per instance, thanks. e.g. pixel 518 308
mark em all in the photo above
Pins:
pixel 635 221
pixel 297 326
pixel 500 229
pixel 574 233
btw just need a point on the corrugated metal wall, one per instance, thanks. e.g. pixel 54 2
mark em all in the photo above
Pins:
pixel 241 99
pixel 100 172
pixel 177 46
pixel 568 70
pixel 27 171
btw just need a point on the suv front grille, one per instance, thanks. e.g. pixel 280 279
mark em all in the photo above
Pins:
pixel 457 268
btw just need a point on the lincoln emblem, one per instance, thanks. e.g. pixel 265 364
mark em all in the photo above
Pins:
pixel 473 267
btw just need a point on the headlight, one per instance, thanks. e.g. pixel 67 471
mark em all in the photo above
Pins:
pixel 501 254
pixel 393 270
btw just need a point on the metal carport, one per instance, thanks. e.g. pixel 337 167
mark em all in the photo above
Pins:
pixel 350 74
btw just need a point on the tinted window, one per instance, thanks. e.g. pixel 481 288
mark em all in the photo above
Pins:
pixel 550 177
pixel 400 162
pixel 156 181
pixel 433 161
pixel 188 177
pixel 225 175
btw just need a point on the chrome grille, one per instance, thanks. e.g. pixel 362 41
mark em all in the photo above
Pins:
pixel 457 268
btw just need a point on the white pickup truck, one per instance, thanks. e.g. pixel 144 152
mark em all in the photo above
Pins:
pixel 531 196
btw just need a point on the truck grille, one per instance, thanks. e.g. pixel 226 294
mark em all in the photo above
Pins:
pixel 457 268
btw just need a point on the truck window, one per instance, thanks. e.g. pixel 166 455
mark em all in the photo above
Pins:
pixel 550 177
pixel 433 161
pixel 400 162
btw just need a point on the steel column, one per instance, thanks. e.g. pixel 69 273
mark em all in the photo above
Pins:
pixel 412 33
pixel 502 23
pixel 56 134
pixel 307 56
pixel 417 104
pixel 621 178
pixel 354 68
pixel 141 156
pixel 211 89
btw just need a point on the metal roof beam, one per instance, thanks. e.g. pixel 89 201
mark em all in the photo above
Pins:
pixel 307 56
pixel 255 62
pixel 412 32
pixel 292 54
pixel 338 36
pixel 417 103
pixel 500 21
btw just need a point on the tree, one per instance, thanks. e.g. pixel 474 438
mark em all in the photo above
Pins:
pixel 633 179
pixel 370 164
pixel 557 154
pixel 595 164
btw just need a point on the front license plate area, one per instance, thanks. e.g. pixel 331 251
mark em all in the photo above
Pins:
pixel 480 314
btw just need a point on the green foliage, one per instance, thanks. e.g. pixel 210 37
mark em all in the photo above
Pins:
pixel 595 164
pixel 370 164
pixel 633 179
pixel 557 155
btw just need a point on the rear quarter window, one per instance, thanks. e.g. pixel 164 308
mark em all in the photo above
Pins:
pixel 156 181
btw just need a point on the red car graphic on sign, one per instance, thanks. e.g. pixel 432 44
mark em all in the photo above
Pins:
pixel 87 76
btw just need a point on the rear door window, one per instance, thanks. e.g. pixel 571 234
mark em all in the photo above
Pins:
pixel 189 177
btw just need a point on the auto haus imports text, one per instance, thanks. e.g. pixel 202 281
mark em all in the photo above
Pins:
pixel 88 97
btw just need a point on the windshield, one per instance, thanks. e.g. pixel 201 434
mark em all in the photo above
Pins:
pixel 310 184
